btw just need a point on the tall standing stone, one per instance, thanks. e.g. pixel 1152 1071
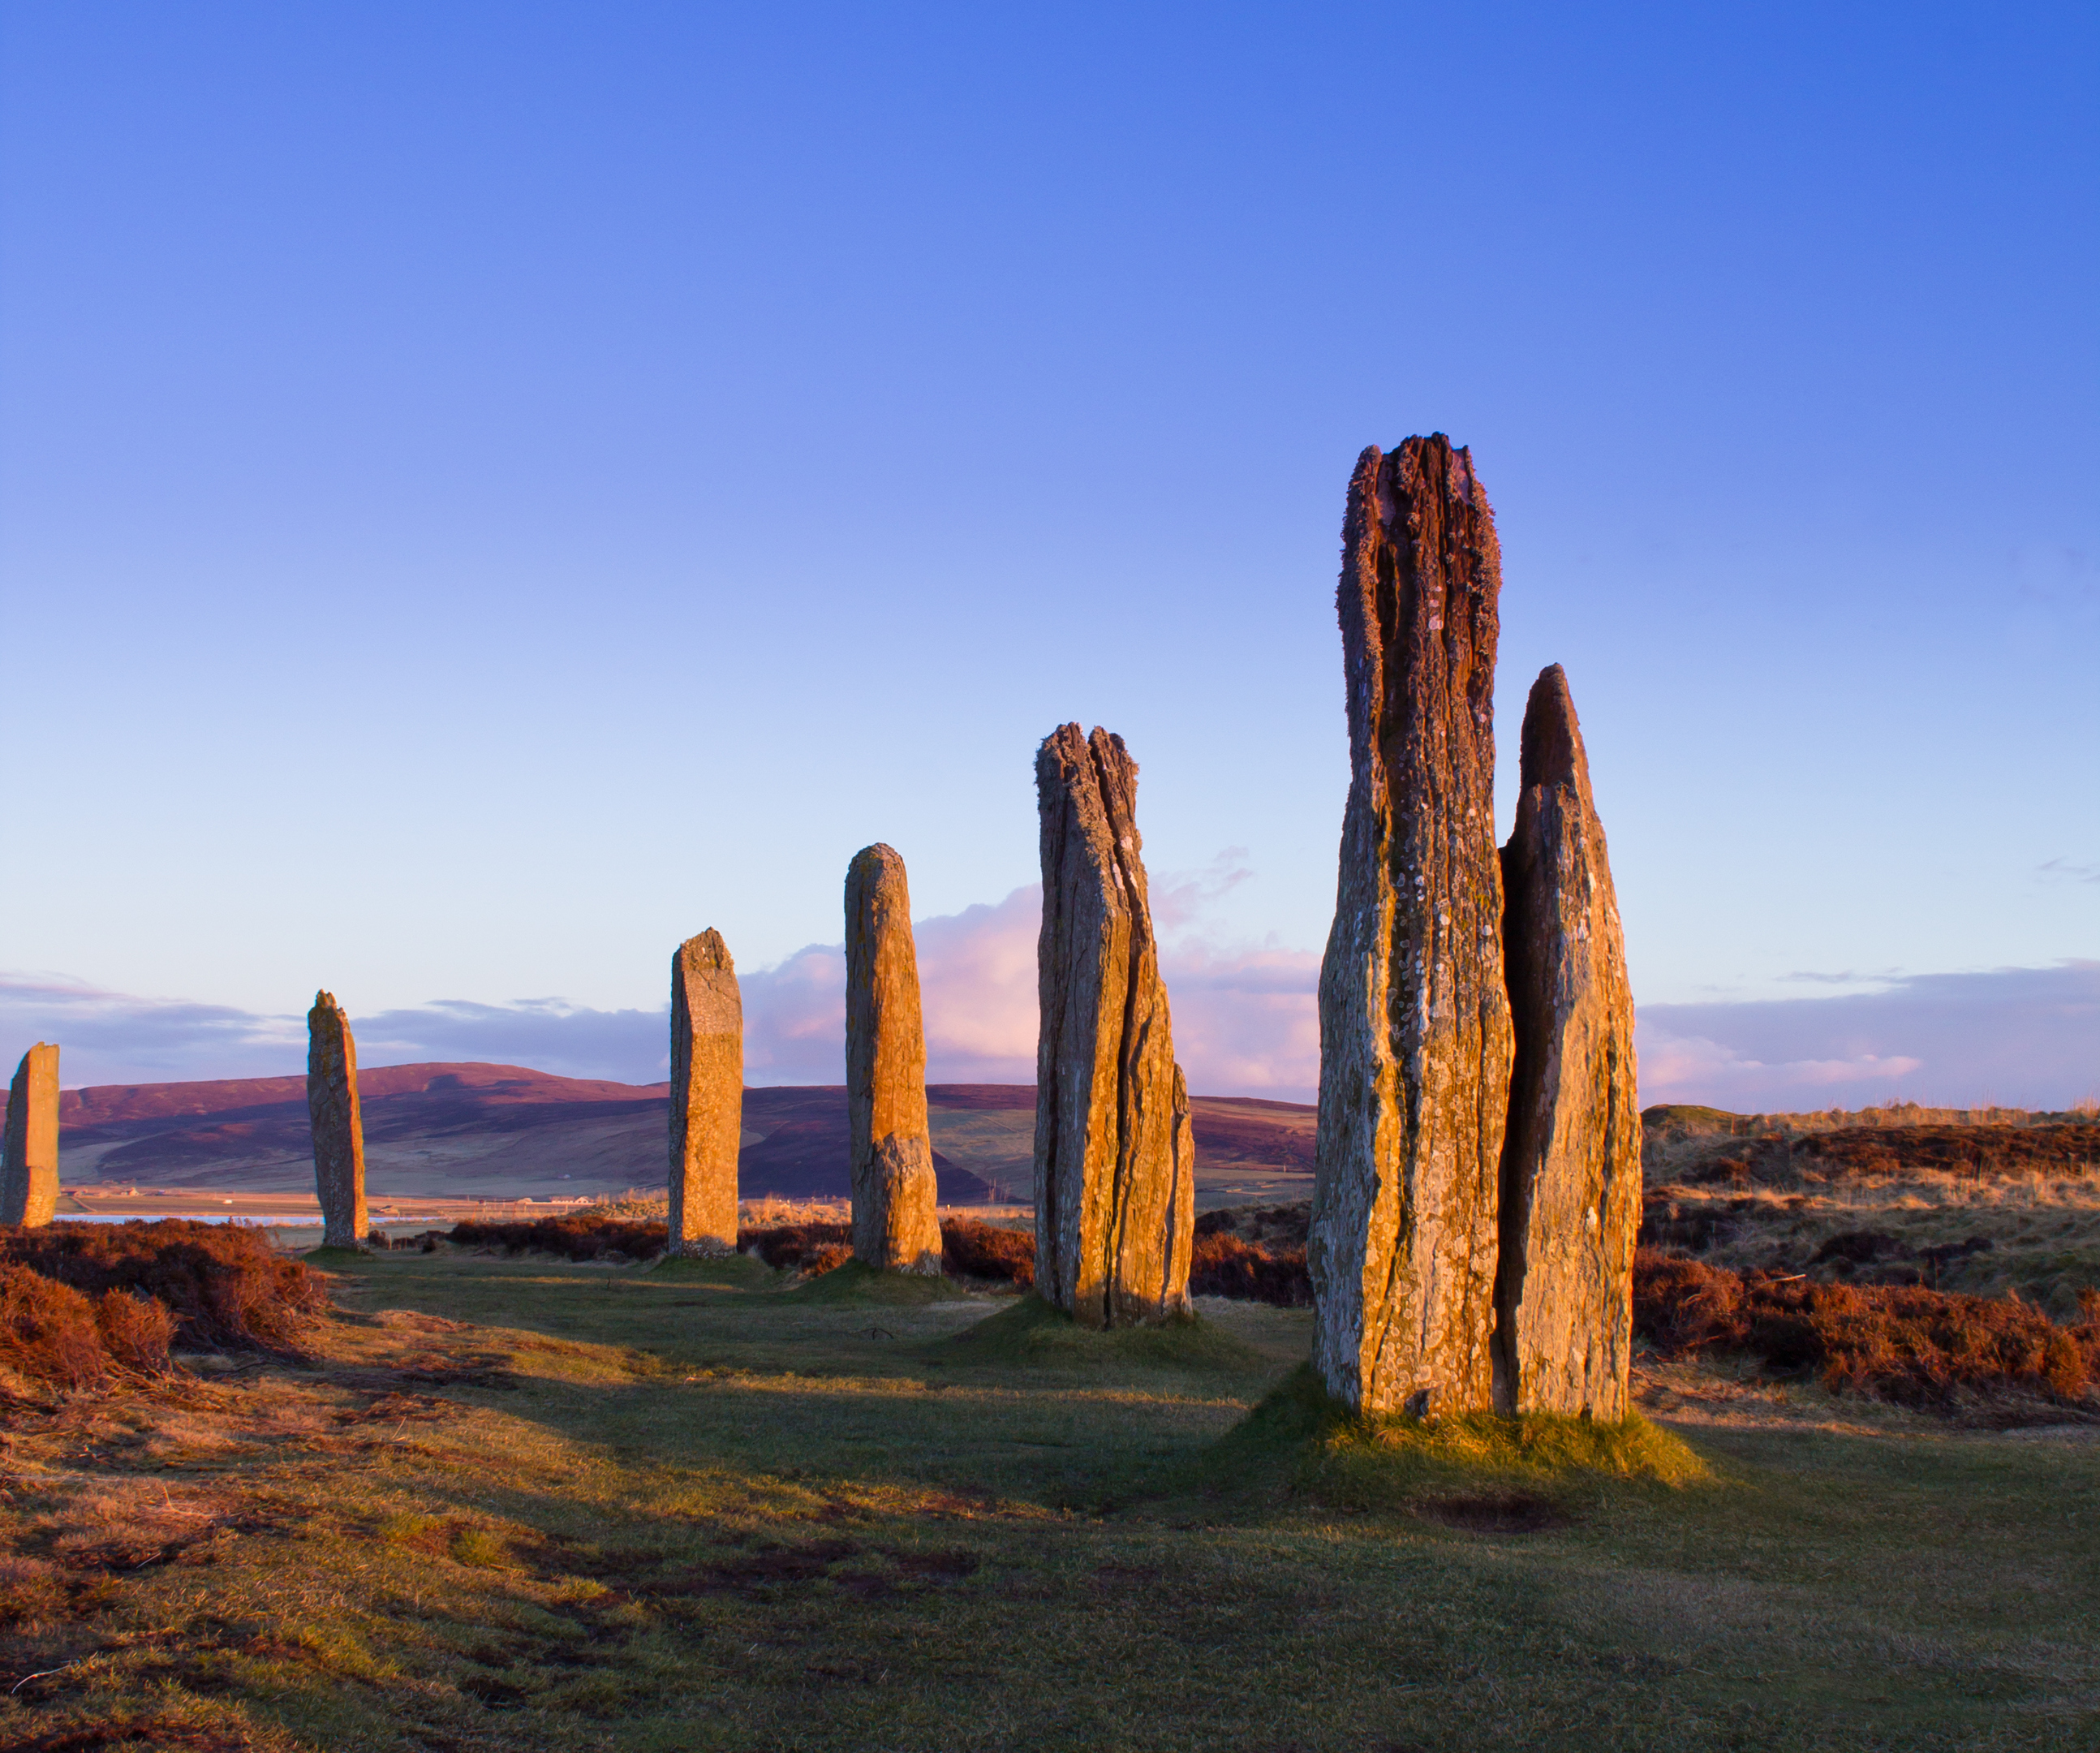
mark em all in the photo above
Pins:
pixel 338 1125
pixel 895 1224
pixel 1414 1025
pixel 29 1171
pixel 1570 1175
pixel 707 1096
pixel 1115 1152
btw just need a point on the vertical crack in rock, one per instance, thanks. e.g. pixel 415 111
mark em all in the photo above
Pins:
pixel 1114 1147
pixel 29 1170
pixel 895 1227
pixel 1414 1025
pixel 338 1125
pixel 1571 1172
pixel 707 1096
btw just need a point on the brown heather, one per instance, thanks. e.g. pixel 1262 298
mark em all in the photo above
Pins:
pixel 1899 1342
pixel 222 1286
pixel 592 1234
pixel 972 1249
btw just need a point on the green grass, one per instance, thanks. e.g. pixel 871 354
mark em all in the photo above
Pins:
pixel 521 1504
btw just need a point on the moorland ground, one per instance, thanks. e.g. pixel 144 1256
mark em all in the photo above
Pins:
pixel 517 1503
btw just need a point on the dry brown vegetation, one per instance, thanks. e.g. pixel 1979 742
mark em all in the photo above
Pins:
pixel 805 1247
pixel 221 1284
pixel 592 1233
pixel 1905 1343
pixel 1225 1265
pixel 991 1252
pixel 52 1336
pixel 1947 1202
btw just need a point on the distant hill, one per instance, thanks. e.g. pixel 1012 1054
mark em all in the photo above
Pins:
pixel 508 1131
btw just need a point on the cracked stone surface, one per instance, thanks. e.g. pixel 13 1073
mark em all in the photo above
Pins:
pixel 338 1125
pixel 895 1227
pixel 1570 1175
pixel 1115 1152
pixel 1415 1041
pixel 706 1095
pixel 30 1168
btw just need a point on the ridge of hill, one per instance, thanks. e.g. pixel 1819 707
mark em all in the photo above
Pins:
pixel 103 1103
pixel 471 1130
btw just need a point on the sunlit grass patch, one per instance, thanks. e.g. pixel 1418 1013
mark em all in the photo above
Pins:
pixel 1476 1470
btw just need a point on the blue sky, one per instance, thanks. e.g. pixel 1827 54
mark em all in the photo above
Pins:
pixel 487 491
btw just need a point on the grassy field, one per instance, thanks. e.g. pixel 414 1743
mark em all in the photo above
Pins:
pixel 515 1504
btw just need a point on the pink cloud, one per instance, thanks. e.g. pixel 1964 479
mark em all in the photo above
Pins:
pixel 1246 1022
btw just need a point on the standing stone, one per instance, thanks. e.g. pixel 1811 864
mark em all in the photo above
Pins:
pixel 1414 1024
pixel 895 1227
pixel 30 1177
pixel 1115 1153
pixel 1570 1175
pixel 707 1096
pixel 338 1126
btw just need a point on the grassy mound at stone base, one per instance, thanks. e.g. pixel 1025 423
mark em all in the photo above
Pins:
pixel 729 1271
pixel 1476 1470
pixel 856 1281
pixel 1033 1334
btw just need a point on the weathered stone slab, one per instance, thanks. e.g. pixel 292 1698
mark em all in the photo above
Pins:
pixel 30 1168
pixel 707 1096
pixel 895 1224
pixel 1571 1173
pixel 1114 1149
pixel 1414 1026
pixel 337 1122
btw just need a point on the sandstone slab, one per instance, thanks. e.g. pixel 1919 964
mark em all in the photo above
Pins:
pixel 1415 1027
pixel 707 1096
pixel 30 1168
pixel 1571 1173
pixel 895 1224
pixel 1114 1157
pixel 337 1124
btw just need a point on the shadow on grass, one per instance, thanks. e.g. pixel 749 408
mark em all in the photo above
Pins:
pixel 857 1282
pixel 1033 1335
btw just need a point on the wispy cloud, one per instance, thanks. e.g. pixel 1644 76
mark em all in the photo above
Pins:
pixel 2064 870
pixel 2028 1037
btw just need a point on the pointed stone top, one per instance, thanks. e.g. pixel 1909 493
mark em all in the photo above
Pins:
pixel 1552 752
pixel 325 1002
pixel 707 953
